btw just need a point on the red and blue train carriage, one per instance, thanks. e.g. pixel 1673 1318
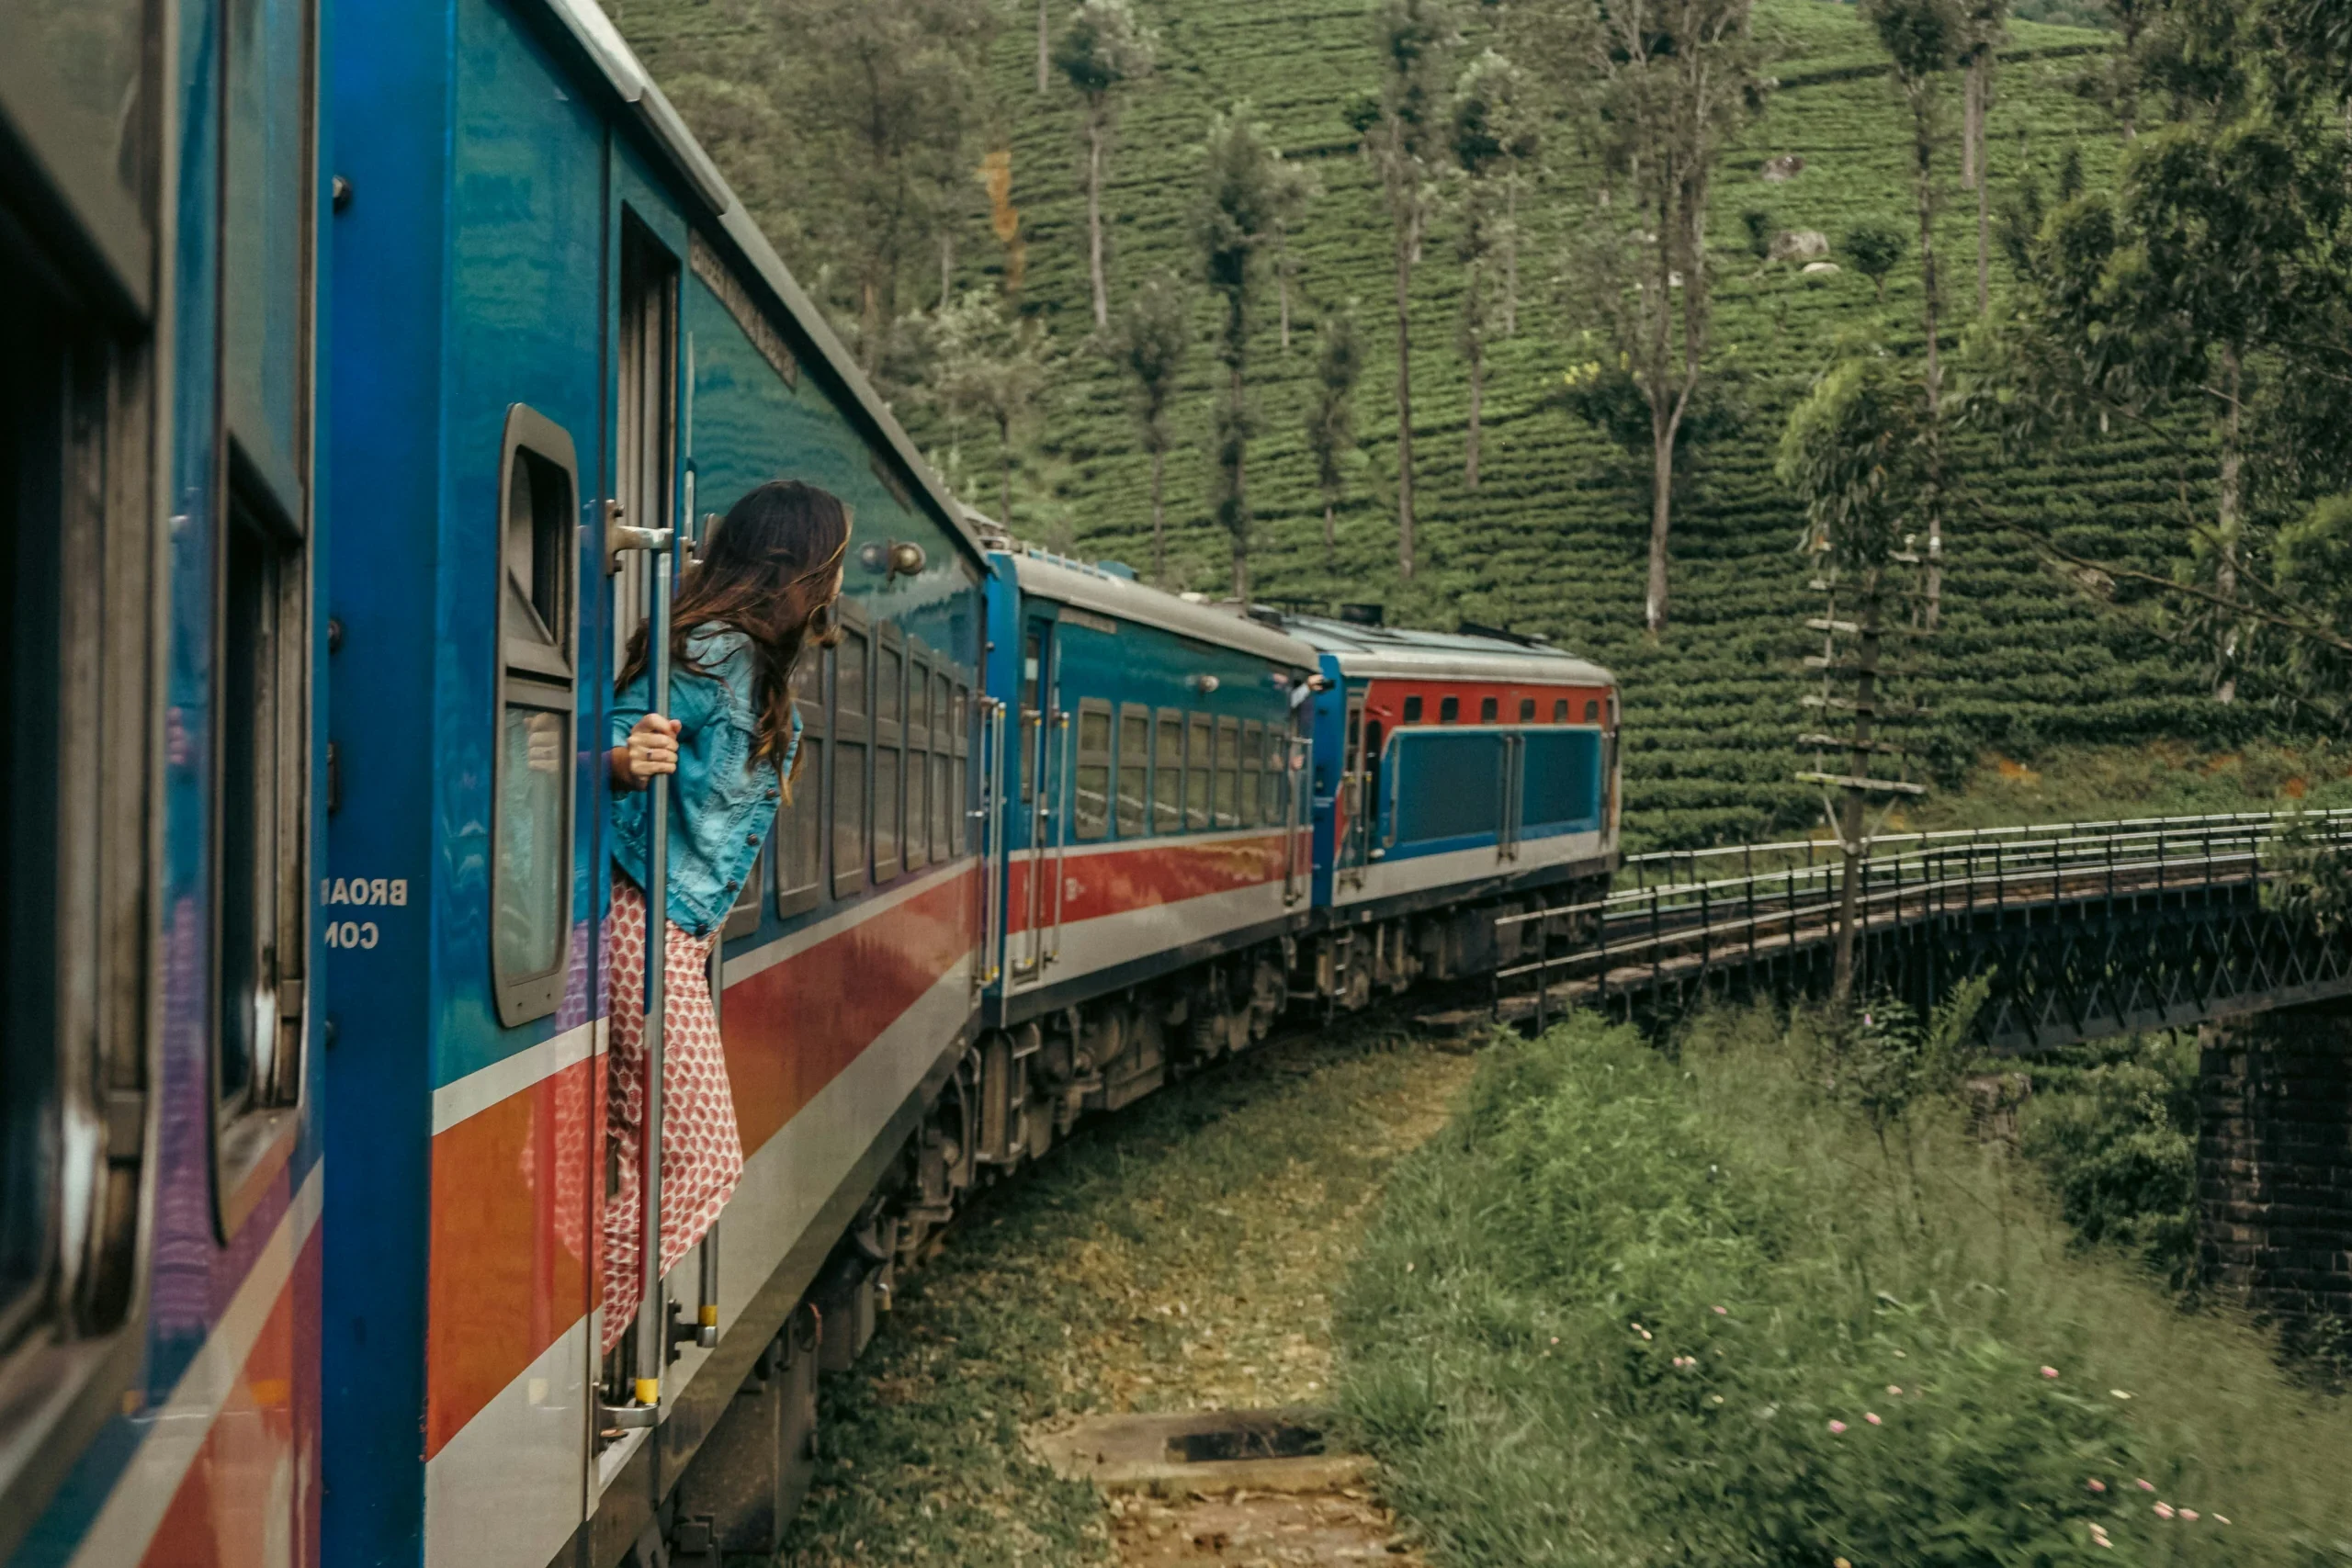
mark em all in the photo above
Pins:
pixel 161 199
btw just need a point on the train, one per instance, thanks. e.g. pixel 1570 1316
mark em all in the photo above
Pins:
pixel 376 367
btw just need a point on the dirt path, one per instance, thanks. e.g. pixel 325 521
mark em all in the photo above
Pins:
pixel 1179 1256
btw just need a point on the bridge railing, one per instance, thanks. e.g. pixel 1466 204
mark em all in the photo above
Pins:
pixel 1691 912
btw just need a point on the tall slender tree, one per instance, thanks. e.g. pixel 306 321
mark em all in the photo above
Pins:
pixel 1331 418
pixel 989 362
pixel 1677 79
pixel 1487 144
pixel 1249 193
pixel 1402 131
pixel 1104 49
pixel 1985 28
pixel 1154 336
pixel 1924 39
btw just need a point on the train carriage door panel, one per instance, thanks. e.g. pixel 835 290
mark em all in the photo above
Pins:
pixel 1042 765
pixel 1356 759
pixel 643 439
pixel 531 861
pixel 1298 853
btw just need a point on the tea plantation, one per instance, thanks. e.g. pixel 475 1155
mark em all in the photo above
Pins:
pixel 1553 538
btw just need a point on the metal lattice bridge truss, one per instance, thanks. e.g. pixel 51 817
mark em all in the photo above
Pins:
pixel 2086 929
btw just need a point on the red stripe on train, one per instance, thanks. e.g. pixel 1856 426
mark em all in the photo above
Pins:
pixel 1121 881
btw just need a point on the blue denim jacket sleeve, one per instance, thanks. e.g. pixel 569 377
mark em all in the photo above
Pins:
pixel 722 802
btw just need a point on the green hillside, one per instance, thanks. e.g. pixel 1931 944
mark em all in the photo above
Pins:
pixel 1553 539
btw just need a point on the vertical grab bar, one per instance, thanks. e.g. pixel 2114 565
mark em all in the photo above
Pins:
pixel 652 1346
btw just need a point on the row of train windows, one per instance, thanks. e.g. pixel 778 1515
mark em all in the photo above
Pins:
pixel 1175 771
pixel 881 778
pixel 1449 710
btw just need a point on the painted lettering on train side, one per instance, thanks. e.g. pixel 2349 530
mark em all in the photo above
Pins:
pixel 378 890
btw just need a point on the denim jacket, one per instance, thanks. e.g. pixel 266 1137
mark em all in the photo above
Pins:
pixel 722 804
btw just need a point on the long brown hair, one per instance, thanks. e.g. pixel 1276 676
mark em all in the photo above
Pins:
pixel 766 571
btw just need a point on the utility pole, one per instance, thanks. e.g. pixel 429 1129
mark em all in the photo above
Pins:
pixel 1854 682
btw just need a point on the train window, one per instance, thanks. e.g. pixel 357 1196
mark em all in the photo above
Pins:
pixel 1199 760
pixel 531 830
pixel 1449 709
pixel 1091 810
pixel 260 752
pixel 1560 711
pixel 1489 710
pixel 1592 711
pixel 959 722
pixel 266 177
pixel 1228 774
pixel 1412 710
pixel 1033 659
pixel 1253 763
pixel 849 736
pixel 800 825
pixel 915 853
pixel 1270 783
pixel 889 749
pixel 1135 769
pixel 942 757
pixel 1168 774
pixel 1527 710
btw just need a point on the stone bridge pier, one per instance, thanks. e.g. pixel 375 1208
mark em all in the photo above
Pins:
pixel 2274 1167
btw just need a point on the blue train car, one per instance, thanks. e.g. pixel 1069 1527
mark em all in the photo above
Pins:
pixel 562 350
pixel 161 198
pixel 1149 836
pixel 1458 775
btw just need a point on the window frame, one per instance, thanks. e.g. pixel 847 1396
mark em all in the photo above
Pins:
pixel 843 730
pixel 888 854
pixel 914 769
pixel 1200 770
pixel 1413 708
pixel 1167 771
pixel 549 684
pixel 1083 758
pixel 1253 774
pixel 809 789
pixel 959 797
pixel 1559 710
pixel 1449 709
pixel 1225 793
pixel 1140 826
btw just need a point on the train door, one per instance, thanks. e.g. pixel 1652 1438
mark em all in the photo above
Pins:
pixel 1514 773
pixel 1042 763
pixel 1354 841
pixel 1298 849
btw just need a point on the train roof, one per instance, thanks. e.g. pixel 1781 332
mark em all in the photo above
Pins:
pixel 612 58
pixel 1401 654
pixel 1114 592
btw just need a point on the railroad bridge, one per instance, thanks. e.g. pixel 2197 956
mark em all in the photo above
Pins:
pixel 2087 930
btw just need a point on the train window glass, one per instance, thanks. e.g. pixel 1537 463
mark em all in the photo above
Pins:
pixel 1449 709
pixel 1412 710
pixel 1489 710
pixel 889 750
pixel 1592 711
pixel 259 757
pixel 531 831
pixel 799 827
pixel 642 442
pixel 1033 659
pixel 265 199
pixel 1200 758
pixel 1527 710
pixel 1135 769
pixel 1168 774
pixel 914 854
pixel 849 735
pixel 1092 809
pixel 942 757
pixel 959 720
pixel 1253 763
pixel 1228 774
pixel 1270 783
pixel 1560 711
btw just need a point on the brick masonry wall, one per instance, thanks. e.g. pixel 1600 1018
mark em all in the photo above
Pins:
pixel 2275 1165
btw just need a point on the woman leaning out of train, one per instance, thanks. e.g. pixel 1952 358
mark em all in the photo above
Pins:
pixel 761 598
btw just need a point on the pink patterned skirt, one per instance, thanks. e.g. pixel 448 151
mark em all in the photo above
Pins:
pixel 702 1153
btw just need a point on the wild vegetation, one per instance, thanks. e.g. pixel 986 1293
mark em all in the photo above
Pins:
pixel 1765 1297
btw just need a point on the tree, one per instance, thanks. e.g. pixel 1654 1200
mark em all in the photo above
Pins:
pixel 1153 339
pixel 989 362
pixel 1401 133
pixel 1985 28
pixel 1486 143
pixel 1856 452
pixel 1251 193
pixel 1924 38
pixel 1874 248
pixel 1679 78
pixel 1104 49
pixel 1331 418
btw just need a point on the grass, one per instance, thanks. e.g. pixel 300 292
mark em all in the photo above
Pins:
pixel 1552 539
pixel 1513 1338
pixel 1179 1254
